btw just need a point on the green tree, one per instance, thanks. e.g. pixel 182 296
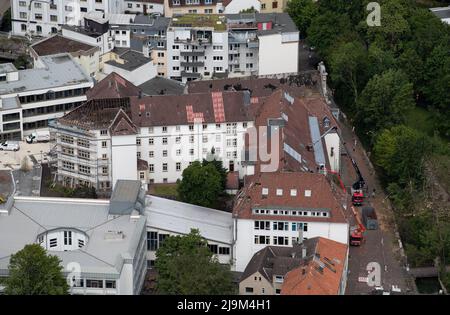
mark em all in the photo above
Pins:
pixel 384 102
pixel 302 13
pixel 186 266
pixel 218 165
pixel 400 152
pixel 33 272
pixel 348 63
pixel 201 185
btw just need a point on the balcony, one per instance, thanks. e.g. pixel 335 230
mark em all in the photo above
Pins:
pixel 195 75
pixel 194 41
pixel 192 53
pixel 192 64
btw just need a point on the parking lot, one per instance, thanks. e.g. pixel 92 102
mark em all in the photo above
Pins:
pixel 36 152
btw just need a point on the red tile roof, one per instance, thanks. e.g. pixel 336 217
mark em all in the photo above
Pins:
pixel 113 86
pixel 166 110
pixel 58 44
pixel 322 197
pixel 313 279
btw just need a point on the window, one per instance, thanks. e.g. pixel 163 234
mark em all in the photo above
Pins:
pixel 84 169
pixel 67 237
pixel 164 152
pixel 274 5
pixel 205 139
pixel 217 58
pixel 94 283
pixel 80 243
pixel 164 129
pixel 151 154
pixel 263 6
pixel 175 47
pixel 39 29
pixel 22 3
pixel 280 240
pixel 103 132
pixel 279 279
pixel 262 225
pixel 23 27
pixel 177 128
pixel 150 129
pixel 84 154
pixel 23 15
pixel 281 226
pixel 68 165
pixel 191 127
pixel 38 5
pixel 151 168
pixel 224 251
pixel 164 140
pixel 53 242
pixel 248 290
pixel 83 143
pixel 104 156
pixel 217 47
pixel 261 239
pixel 54 18
pixel 178 140
pixel 151 141
pixel 213 248
pixel 105 170
pixel 110 284
pixel 138 155
pixel 178 166
pixel 130 5
pixel 191 139
pixel 164 167
pixel 104 144
pixel 307 193
pixel 191 151
pixel 138 141
pixel 66 150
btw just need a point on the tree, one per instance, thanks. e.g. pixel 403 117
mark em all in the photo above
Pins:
pixel 348 64
pixel 5 25
pixel 384 102
pixel 302 13
pixel 33 272
pixel 400 152
pixel 186 266
pixel 201 185
pixel 218 164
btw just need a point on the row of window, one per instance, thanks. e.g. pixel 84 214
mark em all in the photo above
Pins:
pixel 323 214
pixel 97 284
pixel 52 95
pixel 281 226
pixel 50 109
pixel 276 240
pixel 231 127
pixel 231 142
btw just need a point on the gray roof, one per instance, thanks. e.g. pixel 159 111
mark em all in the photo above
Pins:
pixel 10 103
pixel 157 23
pixel 125 197
pixel 60 70
pixel 442 13
pixel 7 67
pixel 133 60
pixel 179 217
pixel 31 216
pixel 282 22
pixel 162 86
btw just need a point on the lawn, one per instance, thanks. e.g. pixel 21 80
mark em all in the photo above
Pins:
pixel 164 190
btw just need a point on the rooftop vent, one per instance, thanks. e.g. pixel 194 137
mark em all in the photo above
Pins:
pixel 114 236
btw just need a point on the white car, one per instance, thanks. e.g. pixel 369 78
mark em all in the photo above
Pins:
pixel 9 146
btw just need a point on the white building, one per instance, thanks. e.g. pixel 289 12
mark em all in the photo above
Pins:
pixel 167 132
pixel 282 207
pixel 167 217
pixel 443 13
pixel 30 98
pixel 143 6
pixel 102 243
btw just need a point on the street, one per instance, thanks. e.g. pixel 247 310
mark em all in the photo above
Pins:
pixel 381 245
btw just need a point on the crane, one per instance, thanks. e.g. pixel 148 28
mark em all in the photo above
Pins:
pixel 357 232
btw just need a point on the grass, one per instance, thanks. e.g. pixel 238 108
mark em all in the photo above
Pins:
pixel 201 20
pixel 164 190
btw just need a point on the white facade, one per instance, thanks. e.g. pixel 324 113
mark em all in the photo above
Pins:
pixel 278 53
pixel 332 143
pixel 104 41
pixel 145 7
pixel 245 233
pixel 136 76
pixel 123 150
pixel 236 6
pixel 30 98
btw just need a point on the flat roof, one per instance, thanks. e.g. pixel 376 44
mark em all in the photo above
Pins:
pixel 441 12
pixel 179 217
pixel 31 216
pixel 133 60
pixel 59 44
pixel 7 67
pixel 216 21
pixel 60 70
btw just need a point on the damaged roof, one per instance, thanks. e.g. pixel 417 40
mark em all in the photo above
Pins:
pixel 113 86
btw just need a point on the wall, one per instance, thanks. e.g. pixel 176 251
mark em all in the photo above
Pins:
pixel 123 148
pixel 257 285
pixel 277 57
pixel 332 141
pixel 138 76
pixel 237 6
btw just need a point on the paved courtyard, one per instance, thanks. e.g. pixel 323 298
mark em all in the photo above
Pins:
pixel 36 152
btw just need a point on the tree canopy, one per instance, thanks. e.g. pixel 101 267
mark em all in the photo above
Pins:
pixel 187 266
pixel 33 272
pixel 201 184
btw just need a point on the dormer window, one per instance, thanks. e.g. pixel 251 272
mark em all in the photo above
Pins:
pixel 326 122
pixel 279 192
pixel 293 192
pixel 265 191
pixel 176 2
pixel 307 193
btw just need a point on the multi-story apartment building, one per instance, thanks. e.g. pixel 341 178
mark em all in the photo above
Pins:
pixel 273 6
pixel 178 7
pixel 167 132
pixel 30 98
pixel 143 6
pixel 197 47
pixel 206 46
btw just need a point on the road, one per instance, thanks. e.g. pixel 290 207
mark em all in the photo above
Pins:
pixel 381 246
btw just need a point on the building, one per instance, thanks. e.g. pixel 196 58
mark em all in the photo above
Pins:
pixel 237 6
pixel 180 7
pixel 325 274
pixel 87 56
pixel 166 131
pixel 221 46
pixel 30 98
pixel 442 13
pixel 315 266
pixel 273 6
pixel 113 86
pixel 144 7
pixel 101 243
pixel 162 86
pixel 282 208
pixel 168 217
pixel 197 47
pixel 131 65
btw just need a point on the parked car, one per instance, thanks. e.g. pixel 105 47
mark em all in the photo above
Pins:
pixel 9 146
pixel 38 136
